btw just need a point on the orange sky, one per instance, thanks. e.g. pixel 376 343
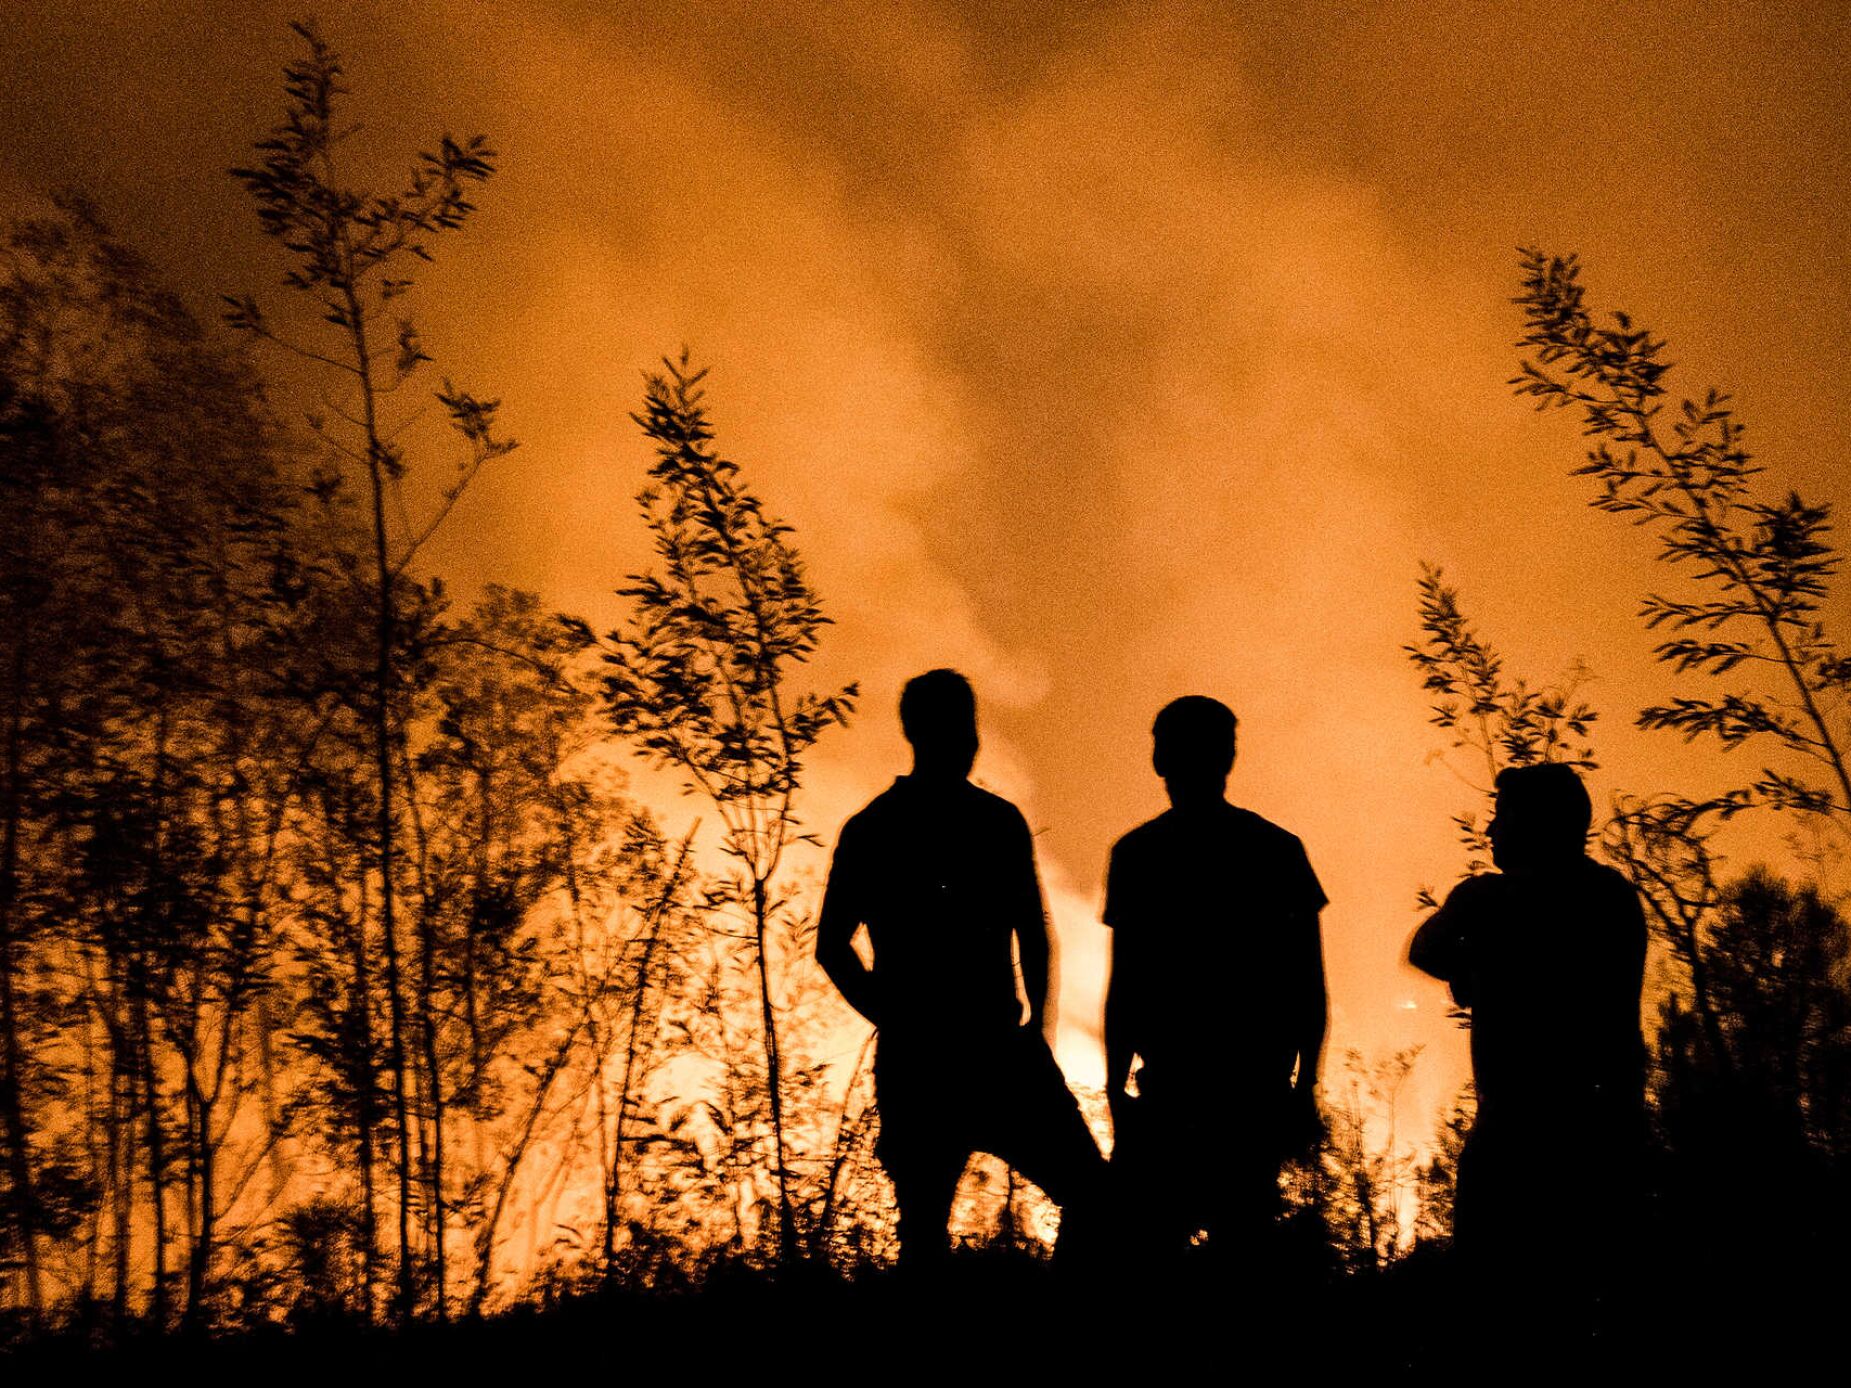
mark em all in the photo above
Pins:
pixel 1107 353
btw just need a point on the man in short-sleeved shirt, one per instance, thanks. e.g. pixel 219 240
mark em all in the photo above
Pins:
pixel 942 874
pixel 1217 987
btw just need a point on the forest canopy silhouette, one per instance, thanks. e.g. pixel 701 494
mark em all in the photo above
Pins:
pixel 380 951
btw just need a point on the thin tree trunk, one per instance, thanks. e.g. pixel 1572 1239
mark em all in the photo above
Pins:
pixel 427 987
pixel 431 1114
pixel 382 758
pixel 613 1186
pixel 365 1120
pixel 97 1154
pixel 189 1188
pixel 157 1149
pixel 12 1049
pixel 106 998
pixel 485 1241
pixel 144 977
pixel 433 1082
pixel 122 1165
pixel 774 1075
pixel 205 1103
pixel 282 1171
pixel 199 1263
pixel 435 1158
pixel 846 1133
pixel 395 1005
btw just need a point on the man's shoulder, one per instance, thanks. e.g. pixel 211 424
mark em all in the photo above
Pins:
pixel 1260 829
pixel 1611 888
pixel 902 801
pixel 1608 878
pixel 869 814
pixel 870 819
pixel 1240 826
pixel 991 805
pixel 1479 887
pixel 1151 831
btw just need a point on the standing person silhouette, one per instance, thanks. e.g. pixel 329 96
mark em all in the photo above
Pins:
pixel 1217 985
pixel 942 874
pixel 1548 953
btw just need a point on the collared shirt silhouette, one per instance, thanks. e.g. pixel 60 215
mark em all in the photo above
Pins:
pixel 1548 953
pixel 1217 986
pixel 942 874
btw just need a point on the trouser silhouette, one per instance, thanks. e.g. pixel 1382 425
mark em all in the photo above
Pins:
pixel 1184 1165
pixel 940 1103
pixel 1548 1205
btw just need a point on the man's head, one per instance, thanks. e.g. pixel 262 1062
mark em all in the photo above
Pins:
pixel 1193 747
pixel 1543 814
pixel 938 713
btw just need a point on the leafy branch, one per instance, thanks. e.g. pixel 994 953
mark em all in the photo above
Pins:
pixel 1498 719
pixel 1765 567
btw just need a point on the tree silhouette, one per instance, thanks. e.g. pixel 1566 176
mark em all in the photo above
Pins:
pixel 353 252
pixel 1352 1182
pixel 1761 570
pixel 144 600
pixel 1752 1099
pixel 699 680
pixel 1437 1173
pixel 27 437
pixel 312 876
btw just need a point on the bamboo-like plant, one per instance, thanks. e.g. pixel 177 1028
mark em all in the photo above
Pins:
pixel 353 252
pixel 700 680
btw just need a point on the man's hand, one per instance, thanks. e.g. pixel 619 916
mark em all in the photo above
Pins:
pixel 1039 1019
pixel 836 924
pixel 1122 1107
pixel 1304 1128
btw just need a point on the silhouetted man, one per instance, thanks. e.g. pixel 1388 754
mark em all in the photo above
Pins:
pixel 942 873
pixel 1549 954
pixel 1218 987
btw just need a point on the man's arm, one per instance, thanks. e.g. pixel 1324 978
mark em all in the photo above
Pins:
pixel 1625 1045
pixel 1122 985
pixel 835 934
pixel 1312 1012
pixel 1034 941
pixel 1309 999
pixel 1120 1046
pixel 1438 946
pixel 1442 946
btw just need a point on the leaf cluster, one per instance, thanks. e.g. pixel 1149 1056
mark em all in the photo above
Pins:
pixel 699 676
pixel 348 250
pixel 1499 719
pixel 338 235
